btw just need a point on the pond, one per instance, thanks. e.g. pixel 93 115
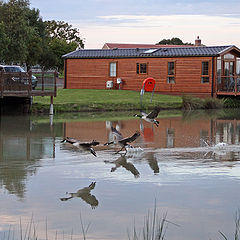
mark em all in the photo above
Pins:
pixel 180 169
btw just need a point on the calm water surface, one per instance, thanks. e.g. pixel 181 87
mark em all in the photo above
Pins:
pixel 196 185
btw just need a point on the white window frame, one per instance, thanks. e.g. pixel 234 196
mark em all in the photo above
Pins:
pixel 113 69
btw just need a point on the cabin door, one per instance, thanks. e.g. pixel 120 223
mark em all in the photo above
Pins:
pixel 229 74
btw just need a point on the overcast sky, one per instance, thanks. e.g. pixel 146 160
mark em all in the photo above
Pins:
pixel 147 21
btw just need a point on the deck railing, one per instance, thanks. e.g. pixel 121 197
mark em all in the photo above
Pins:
pixel 229 84
pixel 20 84
pixel 46 82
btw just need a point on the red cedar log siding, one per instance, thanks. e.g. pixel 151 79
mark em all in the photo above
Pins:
pixel 94 73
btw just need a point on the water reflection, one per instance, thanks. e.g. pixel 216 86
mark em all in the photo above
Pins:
pixel 122 162
pixel 170 162
pixel 152 162
pixel 22 144
pixel 85 195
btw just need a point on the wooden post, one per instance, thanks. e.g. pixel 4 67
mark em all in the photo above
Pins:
pixel 51 105
pixel 2 83
pixel 29 83
pixel 235 84
pixel 42 80
pixel 55 84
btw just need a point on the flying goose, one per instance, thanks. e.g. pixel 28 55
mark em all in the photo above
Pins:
pixel 150 117
pixel 122 142
pixel 83 145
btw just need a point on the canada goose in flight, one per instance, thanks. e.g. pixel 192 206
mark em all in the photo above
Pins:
pixel 122 142
pixel 150 117
pixel 122 161
pixel 85 195
pixel 84 145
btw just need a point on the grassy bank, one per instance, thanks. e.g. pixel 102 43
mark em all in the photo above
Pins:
pixel 74 100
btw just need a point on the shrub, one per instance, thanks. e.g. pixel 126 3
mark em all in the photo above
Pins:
pixel 193 103
pixel 213 103
pixel 231 103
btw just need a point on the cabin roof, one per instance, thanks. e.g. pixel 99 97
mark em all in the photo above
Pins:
pixel 203 51
pixel 140 45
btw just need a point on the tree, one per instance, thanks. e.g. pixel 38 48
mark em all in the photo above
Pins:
pixel 13 16
pixel 173 41
pixel 64 31
pixel 52 56
pixel 26 39
pixel 63 38
pixel 4 41
pixel 38 38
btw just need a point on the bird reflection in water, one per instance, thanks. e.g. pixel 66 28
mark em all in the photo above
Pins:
pixel 85 195
pixel 122 162
pixel 152 162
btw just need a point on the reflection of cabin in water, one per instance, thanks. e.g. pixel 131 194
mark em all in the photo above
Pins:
pixel 171 133
pixel 197 70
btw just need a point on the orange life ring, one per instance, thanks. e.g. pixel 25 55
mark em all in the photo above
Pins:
pixel 149 84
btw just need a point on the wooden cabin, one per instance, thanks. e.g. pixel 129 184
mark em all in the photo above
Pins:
pixel 202 71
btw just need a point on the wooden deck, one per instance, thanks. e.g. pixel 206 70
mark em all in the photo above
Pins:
pixel 222 93
pixel 20 84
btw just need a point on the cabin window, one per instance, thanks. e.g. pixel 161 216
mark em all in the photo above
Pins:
pixel 171 72
pixel 113 69
pixel 219 66
pixel 238 66
pixel 205 72
pixel 219 70
pixel 141 68
pixel 228 56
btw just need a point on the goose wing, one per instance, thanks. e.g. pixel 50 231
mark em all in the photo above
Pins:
pixel 70 140
pixel 117 134
pixel 144 114
pixel 130 139
pixel 88 144
pixel 154 113
pixel 90 199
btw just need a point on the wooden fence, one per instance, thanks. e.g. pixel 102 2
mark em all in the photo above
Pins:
pixel 21 84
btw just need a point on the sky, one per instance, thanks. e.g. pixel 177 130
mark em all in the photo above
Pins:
pixel 147 21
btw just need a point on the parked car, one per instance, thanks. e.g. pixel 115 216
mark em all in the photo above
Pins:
pixel 17 69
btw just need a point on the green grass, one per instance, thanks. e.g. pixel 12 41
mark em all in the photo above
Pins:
pixel 70 100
